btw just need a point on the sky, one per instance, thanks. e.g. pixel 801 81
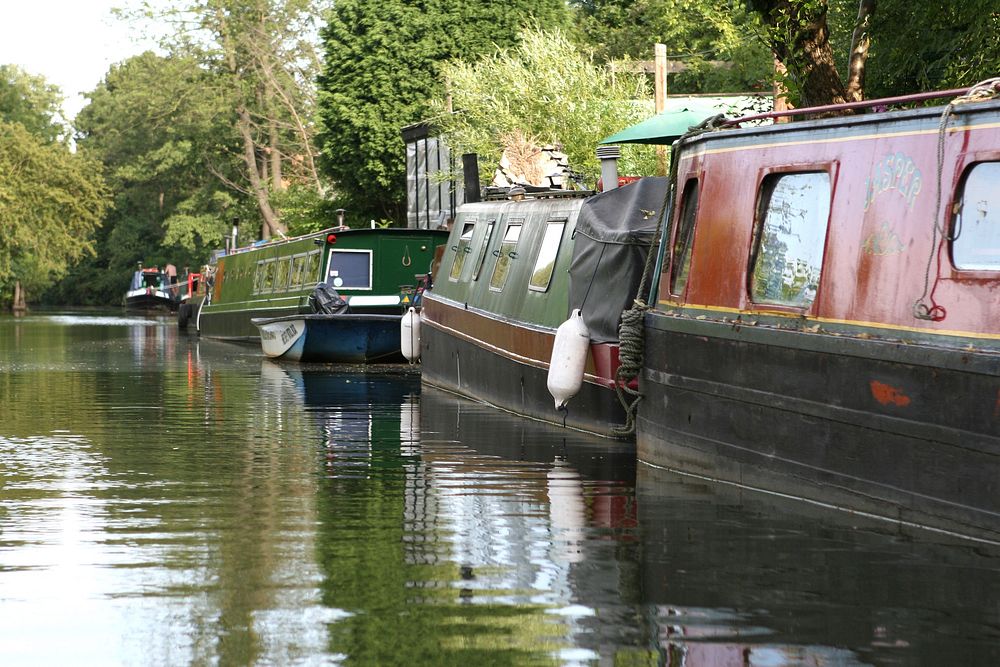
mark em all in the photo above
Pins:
pixel 72 43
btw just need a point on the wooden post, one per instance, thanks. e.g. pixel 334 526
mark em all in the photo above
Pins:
pixel 660 99
pixel 20 299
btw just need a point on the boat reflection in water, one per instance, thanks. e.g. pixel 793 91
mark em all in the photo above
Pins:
pixel 545 501
pixel 738 577
pixel 451 533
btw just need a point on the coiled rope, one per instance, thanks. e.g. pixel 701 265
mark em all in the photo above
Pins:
pixel 631 334
pixel 925 308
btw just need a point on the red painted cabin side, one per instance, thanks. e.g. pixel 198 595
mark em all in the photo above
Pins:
pixel 785 352
pixel 883 176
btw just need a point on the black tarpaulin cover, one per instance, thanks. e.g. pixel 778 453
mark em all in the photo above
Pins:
pixel 613 235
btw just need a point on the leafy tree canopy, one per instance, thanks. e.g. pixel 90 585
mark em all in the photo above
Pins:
pixel 162 129
pixel 714 41
pixel 919 46
pixel 51 201
pixel 217 131
pixel 561 96
pixel 261 55
pixel 845 49
pixel 380 73
pixel 32 102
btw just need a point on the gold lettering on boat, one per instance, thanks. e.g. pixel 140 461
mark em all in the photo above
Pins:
pixel 897 172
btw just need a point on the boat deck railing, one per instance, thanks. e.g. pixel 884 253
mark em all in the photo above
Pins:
pixel 875 104
pixel 495 193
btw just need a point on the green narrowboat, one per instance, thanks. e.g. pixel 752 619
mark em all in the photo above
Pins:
pixel 514 269
pixel 376 271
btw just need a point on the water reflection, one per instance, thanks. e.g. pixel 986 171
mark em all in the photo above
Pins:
pixel 166 500
pixel 730 573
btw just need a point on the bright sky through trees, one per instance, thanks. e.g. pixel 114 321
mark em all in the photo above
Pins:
pixel 69 42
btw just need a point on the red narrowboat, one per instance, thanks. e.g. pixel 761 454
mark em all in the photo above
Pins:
pixel 827 323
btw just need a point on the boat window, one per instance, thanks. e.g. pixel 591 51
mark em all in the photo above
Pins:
pixel 541 275
pixel 268 281
pixel 481 258
pixel 311 270
pixel 298 263
pixel 976 224
pixel 684 239
pixel 281 273
pixel 350 269
pixel 462 249
pixel 789 238
pixel 258 278
pixel 505 255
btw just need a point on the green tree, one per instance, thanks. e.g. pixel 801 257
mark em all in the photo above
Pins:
pixel 561 96
pixel 32 102
pixel 160 127
pixel 913 46
pixel 920 46
pixel 380 73
pixel 218 131
pixel 51 201
pixel 261 53
pixel 798 33
pixel 714 41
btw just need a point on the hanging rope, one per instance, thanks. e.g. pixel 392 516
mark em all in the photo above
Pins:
pixel 631 335
pixel 925 308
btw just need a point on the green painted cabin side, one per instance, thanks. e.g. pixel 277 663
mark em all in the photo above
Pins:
pixel 370 268
pixel 511 259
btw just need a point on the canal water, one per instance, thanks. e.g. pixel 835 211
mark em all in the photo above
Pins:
pixel 166 500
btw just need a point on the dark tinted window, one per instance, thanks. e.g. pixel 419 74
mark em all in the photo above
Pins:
pixel 350 269
pixel 685 238
pixel 258 278
pixel 312 269
pixel 298 263
pixel 481 257
pixel 268 283
pixel 281 273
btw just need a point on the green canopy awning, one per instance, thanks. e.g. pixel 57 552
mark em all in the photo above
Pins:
pixel 680 114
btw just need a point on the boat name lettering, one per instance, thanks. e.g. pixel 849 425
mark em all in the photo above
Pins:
pixel 288 333
pixel 895 171
pixel 267 334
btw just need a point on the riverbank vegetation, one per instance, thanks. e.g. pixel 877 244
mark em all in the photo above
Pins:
pixel 52 199
pixel 268 115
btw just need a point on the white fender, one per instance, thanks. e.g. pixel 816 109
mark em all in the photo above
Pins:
pixel 409 335
pixel 569 359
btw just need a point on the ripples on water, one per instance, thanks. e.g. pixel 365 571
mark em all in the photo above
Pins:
pixel 165 500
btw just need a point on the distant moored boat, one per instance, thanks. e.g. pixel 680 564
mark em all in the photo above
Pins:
pixel 152 289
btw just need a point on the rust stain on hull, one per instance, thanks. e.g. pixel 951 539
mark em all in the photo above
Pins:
pixel 886 394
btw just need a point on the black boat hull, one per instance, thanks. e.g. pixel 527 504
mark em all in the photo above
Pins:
pixel 906 432
pixel 474 371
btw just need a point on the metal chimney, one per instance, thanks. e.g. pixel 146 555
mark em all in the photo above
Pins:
pixel 608 155
pixel 470 176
